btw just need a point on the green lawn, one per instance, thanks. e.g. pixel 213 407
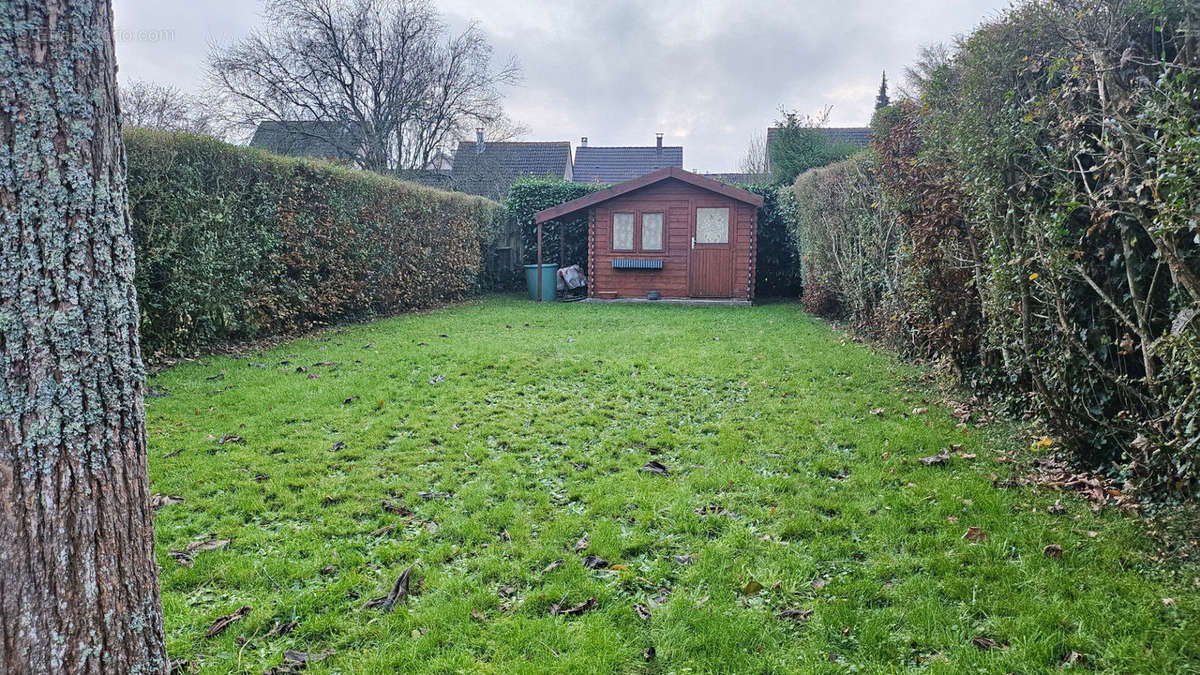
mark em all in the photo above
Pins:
pixel 513 431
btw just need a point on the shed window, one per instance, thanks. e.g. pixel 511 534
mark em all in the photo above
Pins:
pixel 652 231
pixel 712 226
pixel 622 231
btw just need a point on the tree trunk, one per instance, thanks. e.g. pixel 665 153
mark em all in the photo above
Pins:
pixel 78 577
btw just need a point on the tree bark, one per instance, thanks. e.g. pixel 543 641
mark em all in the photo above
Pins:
pixel 78 576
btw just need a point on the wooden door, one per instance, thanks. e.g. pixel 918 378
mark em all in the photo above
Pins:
pixel 711 264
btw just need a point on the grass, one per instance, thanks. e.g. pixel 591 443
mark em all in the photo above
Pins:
pixel 526 427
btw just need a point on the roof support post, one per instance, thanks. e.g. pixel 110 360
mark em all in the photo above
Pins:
pixel 539 263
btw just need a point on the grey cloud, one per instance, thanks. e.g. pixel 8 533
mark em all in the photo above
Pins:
pixel 708 73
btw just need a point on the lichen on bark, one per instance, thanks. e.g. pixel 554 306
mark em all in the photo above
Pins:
pixel 78 577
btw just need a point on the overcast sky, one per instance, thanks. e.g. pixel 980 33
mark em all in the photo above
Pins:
pixel 707 73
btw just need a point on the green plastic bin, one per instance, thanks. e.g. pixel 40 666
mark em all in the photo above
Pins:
pixel 549 282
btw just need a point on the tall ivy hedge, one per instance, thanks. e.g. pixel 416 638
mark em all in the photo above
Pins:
pixel 527 196
pixel 235 243
pixel 1032 217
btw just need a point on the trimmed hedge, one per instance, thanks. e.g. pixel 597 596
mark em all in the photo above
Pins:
pixel 1031 218
pixel 235 243
pixel 527 196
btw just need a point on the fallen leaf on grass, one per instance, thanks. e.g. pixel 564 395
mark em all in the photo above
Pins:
pixel 1056 508
pixel 655 468
pixel 576 610
pixel 877 411
pixel 224 622
pixel 984 643
pixel 158 501
pixel 594 562
pixel 795 614
pixel 940 458
pixel 642 611
pixel 230 438
pixel 187 556
pixel 349 400
pixel 173 453
pixel 395 508
pixel 974 534
pixel 398 594
pixel 752 587
pixel 477 615
pixel 296 661
pixel 549 568
pixel 1075 658
pixel 1052 551
pixel 1168 602
pixel 340 445
pixel 819 583
pixel 436 379
pixel 214 378
pixel 582 544
pixel 506 590
pixel 386 529
pixel 649 654
pixel 714 510
pixel 684 559
pixel 920 411
pixel 429 496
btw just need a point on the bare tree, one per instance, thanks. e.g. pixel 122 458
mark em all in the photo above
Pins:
pixel 78 576
pixel 387 68
pixel 159 106
pixel 755 161
pixel 918 76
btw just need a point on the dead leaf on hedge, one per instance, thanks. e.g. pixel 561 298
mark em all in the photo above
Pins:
pixel 752 587
pixel 224 622
pixel 594 562
pixel 974 534
pixel 576 610
pixel 1052 551
pixel 187 556
pixel 656 468
pixel 795 614
pixel 157 501
pixel 940 458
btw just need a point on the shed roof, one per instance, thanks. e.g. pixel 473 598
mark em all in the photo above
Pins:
pixel 640 182
pixel 609 165
pixel 309 138
pixel 491 169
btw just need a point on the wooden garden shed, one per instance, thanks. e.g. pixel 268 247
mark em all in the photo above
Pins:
pixel 671 231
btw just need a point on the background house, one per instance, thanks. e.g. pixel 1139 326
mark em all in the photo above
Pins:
pixel 490 169
pixel 310 138
pixel 611 165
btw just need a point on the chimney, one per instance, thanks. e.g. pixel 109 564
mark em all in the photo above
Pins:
pixel 583 142
pixel 658 151
pixel 479 140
